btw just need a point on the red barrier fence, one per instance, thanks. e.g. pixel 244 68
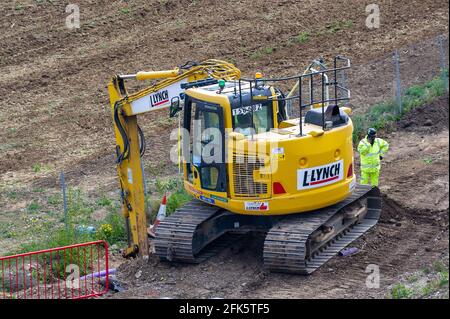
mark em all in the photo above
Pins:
pixel 70 272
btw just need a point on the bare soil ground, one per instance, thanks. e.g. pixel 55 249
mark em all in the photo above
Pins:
pixel 53 90
pixel 54 115
pixel 411 235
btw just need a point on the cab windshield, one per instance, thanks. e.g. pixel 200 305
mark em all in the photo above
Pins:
pixel 246 123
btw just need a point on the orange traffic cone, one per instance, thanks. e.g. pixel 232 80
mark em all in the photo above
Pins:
pixel 159 218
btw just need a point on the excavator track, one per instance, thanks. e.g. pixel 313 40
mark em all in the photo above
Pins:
pixel 174 235
pixel 293 243
pixel 287 247
pixel 179 237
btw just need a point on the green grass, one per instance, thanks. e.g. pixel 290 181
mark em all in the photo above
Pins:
pixel 430 282
pixel 303 37
pixel 269 50
pixel 12 194
pixel 164 186
pixel 439 266
pixel 104 201
pixel 54 199
pixel 124 10
pixel 180 23
pixel 382 114
pixel 36 168
pixel 400 291
pixel 116 233
pixel 59 236
pixel 426 270
pixel 256 55
pixel 33 207
pixel 332 28
pixel 337 26
pixel 48 234
pixel 436 284
pixel 413 278
pixel 46 226
pixel 7 231
pixel 443 278
pixel 268 17
pixel 177 198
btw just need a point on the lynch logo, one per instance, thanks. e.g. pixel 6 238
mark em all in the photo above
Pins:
pixel 159 98
pixel 320 175
pixel 258 206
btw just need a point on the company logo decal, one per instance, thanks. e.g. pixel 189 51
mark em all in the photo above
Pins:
pixel 257 206
pixel 159 98
pixel 207 199
pixel 222 199
pixel 320 175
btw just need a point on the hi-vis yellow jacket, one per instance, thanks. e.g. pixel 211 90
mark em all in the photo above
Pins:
pixel 370 154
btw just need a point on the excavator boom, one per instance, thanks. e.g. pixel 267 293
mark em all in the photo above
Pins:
pixel 165 92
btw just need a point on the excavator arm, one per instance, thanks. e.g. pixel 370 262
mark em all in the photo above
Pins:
pixel 166 91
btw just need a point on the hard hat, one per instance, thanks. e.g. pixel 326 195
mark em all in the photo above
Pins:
pixel 371 132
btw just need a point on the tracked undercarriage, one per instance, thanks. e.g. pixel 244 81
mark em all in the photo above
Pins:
pixel 298 243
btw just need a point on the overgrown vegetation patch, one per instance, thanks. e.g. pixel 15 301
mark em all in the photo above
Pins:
pixel 43 224
pixel 430 282
pixel 381 115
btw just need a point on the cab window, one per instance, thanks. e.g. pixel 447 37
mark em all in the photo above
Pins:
pixel 262 119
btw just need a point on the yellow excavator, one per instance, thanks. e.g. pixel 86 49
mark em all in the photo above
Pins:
pixel 255 159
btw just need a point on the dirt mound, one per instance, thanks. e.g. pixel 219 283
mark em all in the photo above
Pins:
pixel 414 173
pixel 428 118
pixel 393 212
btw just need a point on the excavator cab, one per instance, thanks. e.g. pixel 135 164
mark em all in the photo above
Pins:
pixel 210 114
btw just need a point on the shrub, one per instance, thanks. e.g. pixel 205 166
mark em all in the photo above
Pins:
pixel 382 114
pixel 400 291
pixel 303 37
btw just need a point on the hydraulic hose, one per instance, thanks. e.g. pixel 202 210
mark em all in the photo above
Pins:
pixel 121 156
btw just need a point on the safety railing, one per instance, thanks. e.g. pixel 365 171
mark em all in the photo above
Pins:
pixel 71 272
pixel 311 88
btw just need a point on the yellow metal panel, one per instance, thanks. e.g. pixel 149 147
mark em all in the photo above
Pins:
pixel 299 153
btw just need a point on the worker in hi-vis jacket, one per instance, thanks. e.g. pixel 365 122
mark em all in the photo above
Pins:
pixel 371 150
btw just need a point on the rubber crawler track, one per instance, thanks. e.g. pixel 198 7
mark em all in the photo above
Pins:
pixel 285 243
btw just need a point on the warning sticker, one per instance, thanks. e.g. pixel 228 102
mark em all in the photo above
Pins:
pixel 257 206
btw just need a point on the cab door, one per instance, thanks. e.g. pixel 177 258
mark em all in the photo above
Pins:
pixel 208 145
